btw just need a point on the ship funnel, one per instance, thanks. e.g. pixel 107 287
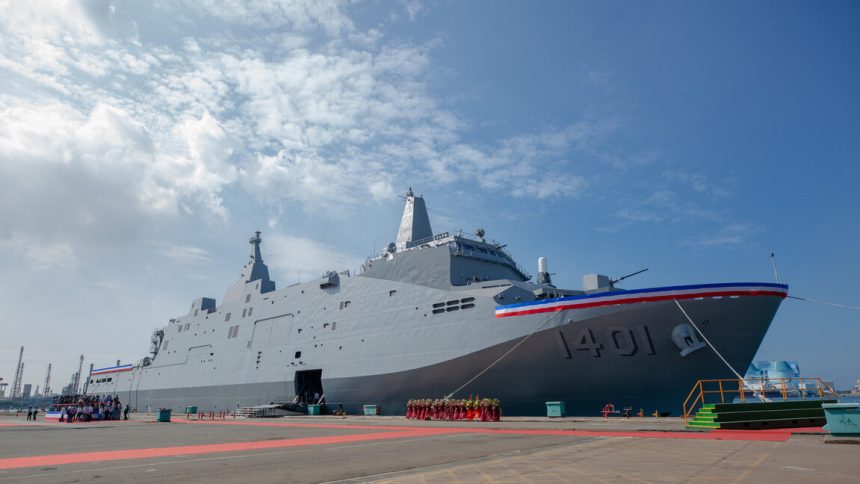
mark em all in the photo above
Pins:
pixel 415 224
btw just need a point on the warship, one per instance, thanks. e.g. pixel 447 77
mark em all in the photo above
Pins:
pixel 444 315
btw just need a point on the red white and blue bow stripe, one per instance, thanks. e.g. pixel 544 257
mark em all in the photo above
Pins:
pixel 112 369
pixel 613 298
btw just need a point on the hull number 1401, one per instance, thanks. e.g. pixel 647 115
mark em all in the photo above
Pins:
pixel 616 339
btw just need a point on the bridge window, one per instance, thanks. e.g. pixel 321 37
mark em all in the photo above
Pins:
pixel 227 318
pixel 247 298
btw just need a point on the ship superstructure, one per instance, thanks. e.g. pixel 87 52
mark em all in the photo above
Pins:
pixel 428 315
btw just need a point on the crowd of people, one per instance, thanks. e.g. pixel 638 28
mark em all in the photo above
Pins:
pixel 87 408
pixel 483 409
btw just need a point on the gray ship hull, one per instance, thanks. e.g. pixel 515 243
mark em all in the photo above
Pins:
pixel 551 364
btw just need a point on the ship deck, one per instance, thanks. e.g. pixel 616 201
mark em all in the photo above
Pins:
pixel 393 449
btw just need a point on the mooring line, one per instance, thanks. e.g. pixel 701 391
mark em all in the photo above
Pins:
pixel 556 313
pixel 740 378
pixel 843 306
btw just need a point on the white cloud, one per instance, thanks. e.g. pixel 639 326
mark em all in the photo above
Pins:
pixel 550 186
pixel 199 171
pixel 413 8
pixel 49 43
pixel 298 257
pixel 381 190
pixel 112 153
pixel 298 14
pixel 171 129
pixel 639 215
pixel 186 254
pixel 41 255
pixel 730 235
pixel 697 182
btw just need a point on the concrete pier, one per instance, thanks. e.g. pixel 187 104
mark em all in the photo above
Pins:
pixel 392 449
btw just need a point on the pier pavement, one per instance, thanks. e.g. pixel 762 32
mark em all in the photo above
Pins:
pixel 393 449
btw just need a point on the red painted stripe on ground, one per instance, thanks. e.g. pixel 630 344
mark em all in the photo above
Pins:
pixel 301 425
pixel 392 432
pixel 775 435
pixel 86 457
pixel 729 435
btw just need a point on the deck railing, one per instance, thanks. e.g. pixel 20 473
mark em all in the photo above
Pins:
pixel 757 389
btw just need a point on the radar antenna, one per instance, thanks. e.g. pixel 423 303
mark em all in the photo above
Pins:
pixel 612 282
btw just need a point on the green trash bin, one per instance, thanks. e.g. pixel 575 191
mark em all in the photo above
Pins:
pixel 313 409
pixel 842 418
pixel 555 409
pixel 191 409
pixel 164 414
pixel 371 410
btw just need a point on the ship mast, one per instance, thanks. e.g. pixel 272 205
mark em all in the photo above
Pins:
pixel 415 223
pixel 254 270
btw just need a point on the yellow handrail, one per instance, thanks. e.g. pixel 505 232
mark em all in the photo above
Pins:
pixel 703 388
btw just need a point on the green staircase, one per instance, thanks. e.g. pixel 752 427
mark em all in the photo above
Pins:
pixel 705 418
pixel 759 415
